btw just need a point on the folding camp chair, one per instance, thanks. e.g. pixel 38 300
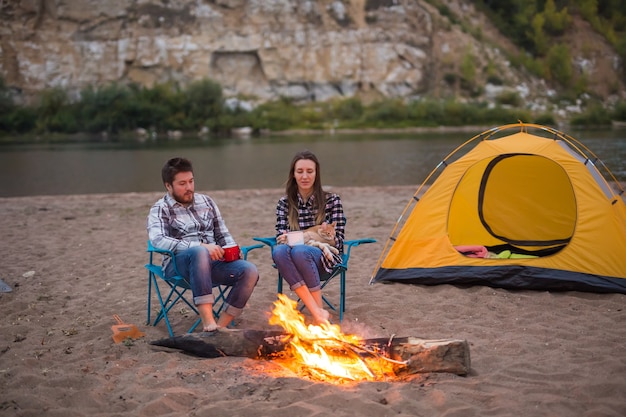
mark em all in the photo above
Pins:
pixel 339 270
pixel 178 286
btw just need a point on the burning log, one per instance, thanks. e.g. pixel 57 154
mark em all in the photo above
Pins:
pixel 409 354
pixel 423 356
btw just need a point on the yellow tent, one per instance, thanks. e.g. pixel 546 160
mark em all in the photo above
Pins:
pixel 522 210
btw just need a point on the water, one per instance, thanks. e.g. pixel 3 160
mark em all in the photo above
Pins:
pixel 226 164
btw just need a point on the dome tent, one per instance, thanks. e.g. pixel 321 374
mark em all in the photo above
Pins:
pixel 521 211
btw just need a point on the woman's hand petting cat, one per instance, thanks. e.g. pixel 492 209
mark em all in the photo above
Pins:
pixel 280 239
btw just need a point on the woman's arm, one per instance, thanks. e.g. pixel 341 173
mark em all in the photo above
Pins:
pixel 282 221
pixel 334 213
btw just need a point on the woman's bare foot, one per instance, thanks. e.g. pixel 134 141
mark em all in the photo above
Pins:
pixel 321 317
pixel 225 320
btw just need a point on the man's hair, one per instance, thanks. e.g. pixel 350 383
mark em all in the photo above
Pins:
pixel 173 167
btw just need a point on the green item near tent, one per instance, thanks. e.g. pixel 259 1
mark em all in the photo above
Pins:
pixel 521 256
pixel 507 254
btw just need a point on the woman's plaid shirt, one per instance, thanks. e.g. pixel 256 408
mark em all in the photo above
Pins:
pixel 306 218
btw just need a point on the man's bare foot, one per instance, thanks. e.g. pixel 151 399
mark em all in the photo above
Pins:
pixel 210 327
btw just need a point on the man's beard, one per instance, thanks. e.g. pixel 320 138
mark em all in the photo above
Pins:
pixel 186 198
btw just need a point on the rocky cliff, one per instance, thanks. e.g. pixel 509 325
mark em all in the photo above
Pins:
pixel 305 50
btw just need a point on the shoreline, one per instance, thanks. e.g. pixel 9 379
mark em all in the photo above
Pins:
pixel 211 192
pixel 373 131
pixel 132 136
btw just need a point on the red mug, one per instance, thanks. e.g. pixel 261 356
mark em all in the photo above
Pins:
pixel 231 253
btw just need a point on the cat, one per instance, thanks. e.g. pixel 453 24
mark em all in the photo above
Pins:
pixel 323 237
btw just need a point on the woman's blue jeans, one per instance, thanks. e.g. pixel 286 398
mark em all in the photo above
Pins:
pixel 299 265
pixel 203 273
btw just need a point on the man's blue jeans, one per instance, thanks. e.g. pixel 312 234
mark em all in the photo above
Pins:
pixel 203 273
pixel 299 265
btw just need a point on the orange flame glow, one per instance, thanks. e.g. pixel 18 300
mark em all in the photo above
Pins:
pixel 324 352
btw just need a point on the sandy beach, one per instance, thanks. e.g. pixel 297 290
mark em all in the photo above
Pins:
pixel 73 262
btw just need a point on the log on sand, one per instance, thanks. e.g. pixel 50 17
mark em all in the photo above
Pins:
pixel 224 342
pixel 418 355
pixel 424 355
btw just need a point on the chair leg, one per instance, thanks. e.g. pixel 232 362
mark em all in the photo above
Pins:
pixel 280 284
pixel 220 300
pixel 192 328
pixel 149 296
pixel 168 303
pixel 342 295
pixel 164 310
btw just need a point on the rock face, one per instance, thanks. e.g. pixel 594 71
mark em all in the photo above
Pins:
pixel 304 50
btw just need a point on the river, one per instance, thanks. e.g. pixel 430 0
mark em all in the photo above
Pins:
pixel 257 162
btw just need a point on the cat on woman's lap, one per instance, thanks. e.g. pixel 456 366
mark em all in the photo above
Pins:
pixel 321 236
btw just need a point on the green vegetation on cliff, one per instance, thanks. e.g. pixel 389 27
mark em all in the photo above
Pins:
pixel 537 25
pixel 119 110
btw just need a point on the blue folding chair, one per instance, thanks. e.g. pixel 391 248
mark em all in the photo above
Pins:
pixel 339 270
pixel 178 286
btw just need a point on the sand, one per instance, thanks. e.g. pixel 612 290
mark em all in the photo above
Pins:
pixel 74 261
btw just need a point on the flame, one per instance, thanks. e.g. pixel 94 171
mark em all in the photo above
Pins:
pixel 324 352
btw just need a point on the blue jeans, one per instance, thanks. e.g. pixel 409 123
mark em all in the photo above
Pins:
pixel 203 273
pixel 299 265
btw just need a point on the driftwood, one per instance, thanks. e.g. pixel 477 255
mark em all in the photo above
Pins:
pixel 416 354
pixel 255 344
pixel 423 355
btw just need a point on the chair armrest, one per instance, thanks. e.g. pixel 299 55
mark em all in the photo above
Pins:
pixel 159 250
pixel 152 249
pixel 269 241
pixel 357 242
pixel 349 244
pixel 246 249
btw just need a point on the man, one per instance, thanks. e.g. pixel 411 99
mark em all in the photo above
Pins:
pixel 191 226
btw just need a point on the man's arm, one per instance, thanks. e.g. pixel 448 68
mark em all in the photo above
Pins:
pixel 221 234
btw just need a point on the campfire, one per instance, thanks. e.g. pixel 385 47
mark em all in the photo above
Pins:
pixel 324 352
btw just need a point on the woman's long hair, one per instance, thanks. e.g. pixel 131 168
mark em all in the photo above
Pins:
pixel 291 190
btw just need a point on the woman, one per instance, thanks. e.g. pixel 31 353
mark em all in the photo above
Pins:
pixel 304 206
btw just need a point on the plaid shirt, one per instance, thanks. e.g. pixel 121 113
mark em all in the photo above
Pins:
pixel 173 226
pixel 306 218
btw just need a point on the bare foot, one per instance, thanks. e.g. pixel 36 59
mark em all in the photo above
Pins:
pixel 210 327
pixel 321 317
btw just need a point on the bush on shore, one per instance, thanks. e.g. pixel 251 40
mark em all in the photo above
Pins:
pixel 200 107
